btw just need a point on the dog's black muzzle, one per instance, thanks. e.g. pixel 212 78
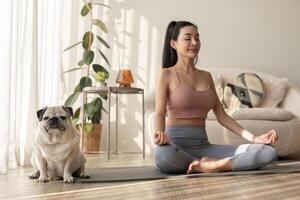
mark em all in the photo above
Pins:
pixel 55 123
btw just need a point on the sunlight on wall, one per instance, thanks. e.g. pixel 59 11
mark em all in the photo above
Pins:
pixel 143 52
pixel 133 42
pixel 155 57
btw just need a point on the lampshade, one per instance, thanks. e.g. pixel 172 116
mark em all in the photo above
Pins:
pixel 124 78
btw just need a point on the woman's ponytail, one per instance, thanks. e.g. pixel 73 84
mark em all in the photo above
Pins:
pixel 169 54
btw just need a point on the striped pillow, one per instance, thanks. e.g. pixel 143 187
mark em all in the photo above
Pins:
pixel 247 91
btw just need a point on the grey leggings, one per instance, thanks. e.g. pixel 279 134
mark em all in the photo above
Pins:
pixel 189 143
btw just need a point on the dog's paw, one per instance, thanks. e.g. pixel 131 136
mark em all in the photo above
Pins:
pixel 83 175
pixel 34 175
pixel 69 179
pixel 43 179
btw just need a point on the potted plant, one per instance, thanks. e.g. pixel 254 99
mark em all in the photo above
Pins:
pixel 96 74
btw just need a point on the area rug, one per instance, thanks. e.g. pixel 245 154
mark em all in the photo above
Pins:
pixel 125 174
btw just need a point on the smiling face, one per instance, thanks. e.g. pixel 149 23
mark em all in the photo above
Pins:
pixel 187 43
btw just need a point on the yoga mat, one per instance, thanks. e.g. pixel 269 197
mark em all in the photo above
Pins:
pixel 124 174
pixel 117 174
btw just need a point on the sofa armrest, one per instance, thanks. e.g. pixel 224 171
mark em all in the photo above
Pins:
pixel 291 100
pixel 150 100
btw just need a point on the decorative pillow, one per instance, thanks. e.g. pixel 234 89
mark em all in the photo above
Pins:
pixel 275 92
pixel 247 91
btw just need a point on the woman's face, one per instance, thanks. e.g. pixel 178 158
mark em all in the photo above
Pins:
pixel 187 43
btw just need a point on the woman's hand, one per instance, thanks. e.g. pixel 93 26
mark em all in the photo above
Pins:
pixel 160 138
pixel 267 138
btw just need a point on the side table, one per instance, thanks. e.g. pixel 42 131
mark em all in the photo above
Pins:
pixel 119 91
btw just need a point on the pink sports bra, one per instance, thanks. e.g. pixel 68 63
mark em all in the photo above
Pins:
pixel 185 102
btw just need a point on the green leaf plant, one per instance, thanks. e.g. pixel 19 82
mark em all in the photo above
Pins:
pixel 95 72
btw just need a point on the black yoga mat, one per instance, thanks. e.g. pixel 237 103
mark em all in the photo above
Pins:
pixel 122 174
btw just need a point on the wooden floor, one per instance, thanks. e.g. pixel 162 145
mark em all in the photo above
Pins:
pixel 272 186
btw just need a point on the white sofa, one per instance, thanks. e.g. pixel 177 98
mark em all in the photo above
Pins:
pixel 284 117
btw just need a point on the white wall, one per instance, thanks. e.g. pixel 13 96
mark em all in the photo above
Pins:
pixel 255 34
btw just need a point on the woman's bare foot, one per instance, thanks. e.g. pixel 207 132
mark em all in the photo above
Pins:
pixel 207 164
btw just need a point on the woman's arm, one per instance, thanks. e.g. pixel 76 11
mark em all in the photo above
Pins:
pixel 229 123
pixel 162 85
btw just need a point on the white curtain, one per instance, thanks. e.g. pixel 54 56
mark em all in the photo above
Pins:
pixel 30 75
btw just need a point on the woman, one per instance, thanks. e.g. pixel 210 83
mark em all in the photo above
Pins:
pixel 187 94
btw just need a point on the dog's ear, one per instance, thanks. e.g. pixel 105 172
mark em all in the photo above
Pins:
pixel 69 110
pixel 40 113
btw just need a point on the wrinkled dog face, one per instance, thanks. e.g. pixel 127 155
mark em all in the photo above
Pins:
pixel 55 120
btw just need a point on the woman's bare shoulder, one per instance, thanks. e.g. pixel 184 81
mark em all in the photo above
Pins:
pixel 205 73
pixel 165 70
pixel 164 73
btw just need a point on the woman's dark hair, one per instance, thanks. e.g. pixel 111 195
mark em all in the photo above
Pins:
pixel 169 54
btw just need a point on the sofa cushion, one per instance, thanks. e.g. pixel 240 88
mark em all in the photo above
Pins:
pixel 247 90
pixel 211 115
pixel 272 114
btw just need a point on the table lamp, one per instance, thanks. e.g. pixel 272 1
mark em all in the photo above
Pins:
pixel 124 78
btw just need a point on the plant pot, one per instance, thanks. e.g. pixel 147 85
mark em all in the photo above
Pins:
pixel 92 140
pixel 101 84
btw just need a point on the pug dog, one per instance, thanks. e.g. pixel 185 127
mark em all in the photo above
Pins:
pixel 56 153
